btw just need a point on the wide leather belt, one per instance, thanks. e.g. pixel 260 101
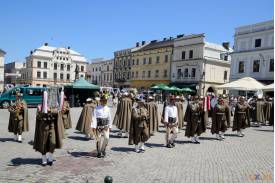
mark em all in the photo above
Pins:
pixel 101 122
pixel 172 120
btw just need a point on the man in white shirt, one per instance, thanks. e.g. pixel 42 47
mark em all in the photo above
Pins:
pixel 171 122
pixel 101 126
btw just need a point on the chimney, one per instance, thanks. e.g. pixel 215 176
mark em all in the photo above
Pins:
pixel 31 52
pixel 180 35
pixel 225 45
pixel 69 47
pixel 137 44
pixel 143 43
pixel 45 44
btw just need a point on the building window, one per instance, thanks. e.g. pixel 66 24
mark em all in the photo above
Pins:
pixel 149 74
pixel 225 75
pixel 226 57
pixel 258 43
pixel 241 67
pixel 111 77
pixel 81 75
pixel 107 67
pixel 82 68
pixel 157 59
pixel 68 76
pixel 133 62
pixel 271 65
pixel 137 62
pixel 45 65
pixel 144 61
pixel 165 73
pixel 143 74
pixel 133 74
pixel 61 76
pixel 166 58
pixel 62 67
pixel 186 73
pixel 183 55
pixel 38 74
pixel 191 54
pixel 256 66
pixel 54 75
pixel 104 77
pixel 39 64
pixel 193 73
pixel 157 73
pixel 93 69
pixel 150 60
pixel 68 67
pixel 179 73
pixel 99 68
pixel 45 75
pixel 136 74
pixel 55 66
pixel 96 69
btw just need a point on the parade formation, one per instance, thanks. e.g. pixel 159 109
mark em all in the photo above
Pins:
pixel 138 118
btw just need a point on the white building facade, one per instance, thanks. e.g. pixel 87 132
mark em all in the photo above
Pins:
pixel 2 61
pixel 107 73
pixel 253 54
pixel 13 72
pixel 101 72
pixel 49 65
pixel 200 65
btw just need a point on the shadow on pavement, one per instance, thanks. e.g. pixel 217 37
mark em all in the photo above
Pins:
pixel 207 138
pixel 25 161
pixel 82 154
pixel 30 142
pixel 183 141
pixel 231 135
pixel 151 145
pixel 7 140
pixel 264 130
pixel 78 138
pixel 116 136
pixel 122 149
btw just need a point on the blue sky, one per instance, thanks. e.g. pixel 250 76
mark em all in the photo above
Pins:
pixel 97 28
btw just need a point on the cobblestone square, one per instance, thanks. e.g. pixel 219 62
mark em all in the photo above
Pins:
pixel 247 159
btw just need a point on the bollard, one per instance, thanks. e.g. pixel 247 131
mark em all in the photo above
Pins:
pixel 108 179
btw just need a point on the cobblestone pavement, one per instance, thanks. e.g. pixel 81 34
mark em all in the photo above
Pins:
pixel 247 159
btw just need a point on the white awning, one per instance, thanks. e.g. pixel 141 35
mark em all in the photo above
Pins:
pixel 268 87
pixel 245 84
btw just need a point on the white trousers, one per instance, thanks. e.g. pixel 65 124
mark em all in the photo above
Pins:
pixel 102 139
pixel 170 138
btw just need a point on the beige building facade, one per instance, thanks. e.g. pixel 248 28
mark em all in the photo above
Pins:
pixel 151 64
pixel 200 65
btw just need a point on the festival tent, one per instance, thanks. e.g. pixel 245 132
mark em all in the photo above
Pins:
pixel 79 91
pixel 268 87
pixel 82 84
pixel 244 84
pixel 161 87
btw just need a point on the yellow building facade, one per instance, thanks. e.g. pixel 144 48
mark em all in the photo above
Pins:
pixel 151 64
